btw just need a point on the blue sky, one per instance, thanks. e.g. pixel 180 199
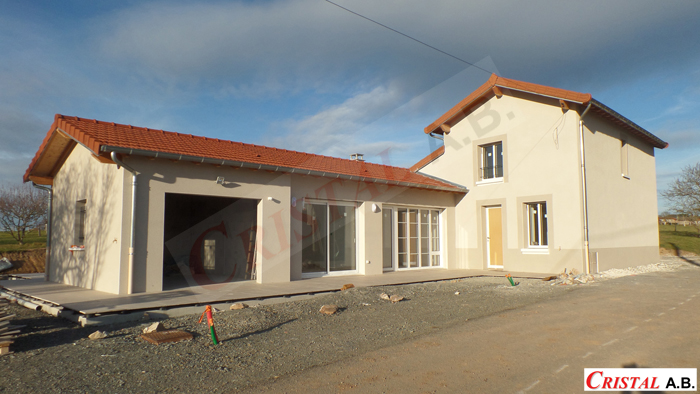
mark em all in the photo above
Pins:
pixel 306 75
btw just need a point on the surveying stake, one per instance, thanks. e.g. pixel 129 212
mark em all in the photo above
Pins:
pixel 210 320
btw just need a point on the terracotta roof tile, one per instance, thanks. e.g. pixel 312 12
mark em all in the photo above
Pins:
pixel 100 136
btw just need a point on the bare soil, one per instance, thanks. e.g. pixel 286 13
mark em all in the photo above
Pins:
pixel 256 344
pixel 25 262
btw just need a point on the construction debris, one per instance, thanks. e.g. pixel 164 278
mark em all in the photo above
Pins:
pixel 385 296
pixel 572 277
pixel 5 264
pixel 155 327
pixel 329 309
pixel 157 338
pixel 347 286
pixel 7 331
pixel 98 335
pixel 237 306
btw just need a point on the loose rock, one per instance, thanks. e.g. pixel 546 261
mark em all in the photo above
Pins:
pixel 395 298
pixel 238 305
pixel 347 286
pixel 385 296
pixel 155 327
pixel 98 335
pixel 329 309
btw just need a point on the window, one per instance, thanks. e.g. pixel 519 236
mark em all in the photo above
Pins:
pixel 80 213
pixel 537 224
pixel 491 165
pixel 624 158
pixel 417 238
pixel 328 244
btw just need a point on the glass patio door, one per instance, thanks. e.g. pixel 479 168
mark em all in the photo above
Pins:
pixel 329 238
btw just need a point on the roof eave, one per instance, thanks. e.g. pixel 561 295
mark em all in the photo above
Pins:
pixel 274 168
pixel 651 138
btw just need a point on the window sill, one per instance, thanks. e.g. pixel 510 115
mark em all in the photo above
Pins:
pixel 535 251
pixel 490 181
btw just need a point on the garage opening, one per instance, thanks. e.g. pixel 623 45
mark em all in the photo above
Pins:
pixel 208 240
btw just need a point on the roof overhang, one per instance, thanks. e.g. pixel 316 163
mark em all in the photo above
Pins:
pixel 273 168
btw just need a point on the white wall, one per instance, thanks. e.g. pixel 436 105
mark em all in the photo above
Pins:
pixel 82 177
pixel 541 164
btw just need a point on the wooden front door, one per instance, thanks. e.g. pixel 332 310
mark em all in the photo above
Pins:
pixel 494 237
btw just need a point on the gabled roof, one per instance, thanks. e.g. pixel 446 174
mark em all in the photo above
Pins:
pixel 102 138
pixel 496 86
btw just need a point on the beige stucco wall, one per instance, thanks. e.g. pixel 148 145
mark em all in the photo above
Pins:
pixel 279 247
pixel 158 177
pixel 622 212
pixel 369 234
pixel 82 177
pixel 540 144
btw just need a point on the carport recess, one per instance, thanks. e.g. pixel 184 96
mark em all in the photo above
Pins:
pixel 208 240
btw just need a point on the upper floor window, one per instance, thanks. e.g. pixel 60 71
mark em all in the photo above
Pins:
pixel 491 165
pixel 624 159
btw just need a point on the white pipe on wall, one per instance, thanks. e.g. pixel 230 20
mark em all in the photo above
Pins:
pixel 48 230
pixel 584 191
pixel 130 277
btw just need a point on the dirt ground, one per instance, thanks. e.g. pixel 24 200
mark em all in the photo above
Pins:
pixel 257 343
pixel 25 262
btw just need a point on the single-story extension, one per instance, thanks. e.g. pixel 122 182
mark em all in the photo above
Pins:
pixel 529 178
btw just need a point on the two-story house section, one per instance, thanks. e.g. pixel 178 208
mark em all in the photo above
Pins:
pixel 556 180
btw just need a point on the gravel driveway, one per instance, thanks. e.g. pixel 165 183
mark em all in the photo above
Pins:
pixel 258 343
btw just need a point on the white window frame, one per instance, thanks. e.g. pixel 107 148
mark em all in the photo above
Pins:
pixel 328 272
pixel 482 163
pixel 625 159
pixel 536 249
pixel 395 238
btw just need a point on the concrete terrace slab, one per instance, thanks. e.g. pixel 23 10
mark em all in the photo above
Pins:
pixel 92 302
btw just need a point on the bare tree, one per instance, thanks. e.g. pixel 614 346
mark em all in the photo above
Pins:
pixel 684 193
pixel 22 208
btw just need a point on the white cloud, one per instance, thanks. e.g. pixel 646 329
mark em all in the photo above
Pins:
pixel 343 129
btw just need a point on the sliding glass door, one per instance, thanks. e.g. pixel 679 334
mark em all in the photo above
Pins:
pixel 329 238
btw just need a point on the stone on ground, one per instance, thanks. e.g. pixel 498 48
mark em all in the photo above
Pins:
pixel 329 309
pixel 238 305
pixel 98 335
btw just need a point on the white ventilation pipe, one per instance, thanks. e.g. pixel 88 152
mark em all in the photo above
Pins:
pixel 130 277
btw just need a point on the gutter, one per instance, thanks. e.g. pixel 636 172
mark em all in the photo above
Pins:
pixel 48 230
pixel 130 275
pixel 584 191
pixel 267 167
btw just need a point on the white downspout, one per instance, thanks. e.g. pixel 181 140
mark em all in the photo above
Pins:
pixel 48 230
pixel 584 191
pixel 130 277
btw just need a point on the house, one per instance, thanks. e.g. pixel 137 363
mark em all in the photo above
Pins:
pixel 529 178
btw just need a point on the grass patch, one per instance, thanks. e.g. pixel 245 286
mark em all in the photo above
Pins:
pixel 684 238
pixel 31 241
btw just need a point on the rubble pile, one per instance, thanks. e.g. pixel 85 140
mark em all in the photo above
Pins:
pixel 572 277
